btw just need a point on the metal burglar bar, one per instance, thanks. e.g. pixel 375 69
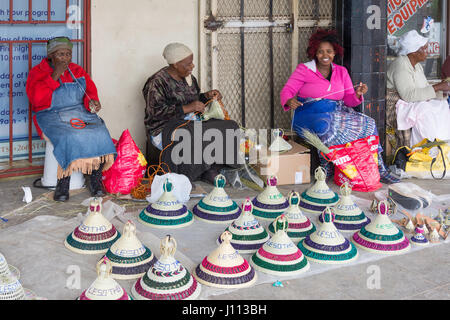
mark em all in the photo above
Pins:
pixel 254 45
pixel 19 168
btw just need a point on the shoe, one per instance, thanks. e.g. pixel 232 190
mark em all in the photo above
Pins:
pixel 62 190
pixel 405 197
pixel 96 184
pixel 387 177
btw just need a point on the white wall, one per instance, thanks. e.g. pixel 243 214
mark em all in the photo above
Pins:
pixel 128 38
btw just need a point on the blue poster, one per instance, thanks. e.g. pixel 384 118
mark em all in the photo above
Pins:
pixel 20 56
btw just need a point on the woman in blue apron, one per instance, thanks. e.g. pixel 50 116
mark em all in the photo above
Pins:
pixel 64 102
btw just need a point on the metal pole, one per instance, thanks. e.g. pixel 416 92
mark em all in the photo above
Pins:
pixel 271 72
pixel 242 66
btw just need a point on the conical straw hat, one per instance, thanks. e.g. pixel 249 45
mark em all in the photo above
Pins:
pixel 319 196
pixel 270 203
pixel 167 212
pixel 348 217
pixel 217 207
pixel 419 238
pixel 279 255
pixel 104 287
pixel 167 279
pixel 248 234
pixel 381 235
pixel 299 225
pixel 129 258
pixel 7 269
pixel 11 288
pixel 225 267
pixel 279 144
pixel 95 235
pixel 327 245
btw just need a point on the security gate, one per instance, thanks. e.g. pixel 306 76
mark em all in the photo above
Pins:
pixel 249 48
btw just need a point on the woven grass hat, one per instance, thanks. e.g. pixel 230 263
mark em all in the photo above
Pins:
pixel 129 258
pixel 217 207
pixel 270 203
pixel 11 288
pixel 248 234
pixel 167 279
pixel 279 255
pixel 104 287
pixel 419 237
pixel 348 217
pixel 381 235
pixel 319 196
pixel 278 143
pixel 7 269
pixel 95 235
pixel 225 267
pixel 327 245
pixel 167 212
pixel 299 225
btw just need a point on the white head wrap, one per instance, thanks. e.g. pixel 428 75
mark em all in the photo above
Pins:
pixel 411 42
pixel 175 52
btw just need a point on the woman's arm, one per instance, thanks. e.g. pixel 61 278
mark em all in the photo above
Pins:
pixel 293 86
pixel 40 87
pixel 404 84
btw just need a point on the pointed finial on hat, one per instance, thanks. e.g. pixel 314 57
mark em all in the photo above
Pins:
pixel 129 229
pixel 168 246
pixel 168 186
pixel 272 181
pixel 327 215
pixel 220 181
pixel 346 190
pixel 226 237
pixel 383 207
pixel 95 206
pixel 320 174
pixel 294 198
pixel 281 223
pixel 104 268
pixel 247 206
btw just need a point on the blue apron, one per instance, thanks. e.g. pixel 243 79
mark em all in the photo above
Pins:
pixel 314 116
pixel 70 143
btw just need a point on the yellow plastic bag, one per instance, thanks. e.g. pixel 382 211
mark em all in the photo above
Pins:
pixel 429 160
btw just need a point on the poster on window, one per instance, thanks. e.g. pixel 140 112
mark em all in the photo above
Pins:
pixel 425 16
pixel 21 53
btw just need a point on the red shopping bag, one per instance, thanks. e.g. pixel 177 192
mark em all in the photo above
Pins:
pixel 128 168
pixel 357 164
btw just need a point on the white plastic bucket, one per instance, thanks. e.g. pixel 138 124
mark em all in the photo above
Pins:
pixel 49 179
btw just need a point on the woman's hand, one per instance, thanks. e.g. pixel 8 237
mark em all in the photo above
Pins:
pixel 361 90
pixel 213 94
pixel 195 106
pixel 60 68
pixel 94 106
pixel 442 86
pixel 293 103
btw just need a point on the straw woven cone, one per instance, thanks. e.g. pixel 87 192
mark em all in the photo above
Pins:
pixel 279 144
pixel 381 235
pixel 167 212
pixel 167 279
pixel 129 258
pixel 270 203
pixel 7 269
pixel 11 288
pixel 248 234
pixel 299 225
pixel 419 237
pixel 95 235
pixel 319 196
pixel 327 245
pixel 104 287
pixel 279 255
pixel 225 267
pixel 348 216
pixel 217 207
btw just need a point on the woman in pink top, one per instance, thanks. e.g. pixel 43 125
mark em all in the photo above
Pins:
pixel 332 118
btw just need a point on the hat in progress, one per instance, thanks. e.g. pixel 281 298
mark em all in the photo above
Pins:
pixel 411 42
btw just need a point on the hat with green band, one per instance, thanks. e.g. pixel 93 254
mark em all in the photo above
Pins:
pixel 58 43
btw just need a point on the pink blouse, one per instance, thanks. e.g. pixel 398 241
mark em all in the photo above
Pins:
pixel 307 82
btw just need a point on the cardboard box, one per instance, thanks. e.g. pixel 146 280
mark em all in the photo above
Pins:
pixel 290 167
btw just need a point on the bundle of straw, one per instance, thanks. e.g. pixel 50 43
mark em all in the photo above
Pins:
pixel 314 140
